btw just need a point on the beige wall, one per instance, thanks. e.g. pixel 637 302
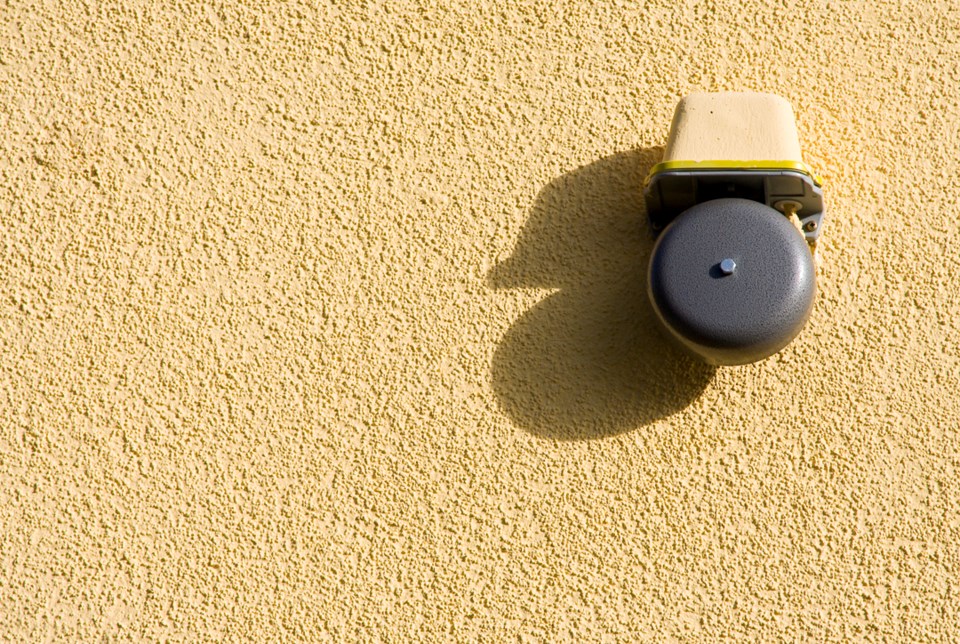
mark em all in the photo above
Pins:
pixel 296 302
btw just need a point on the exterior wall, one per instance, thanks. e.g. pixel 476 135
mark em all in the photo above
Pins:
pixel 326 322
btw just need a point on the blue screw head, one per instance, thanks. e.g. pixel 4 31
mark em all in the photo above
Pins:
pixel 728 266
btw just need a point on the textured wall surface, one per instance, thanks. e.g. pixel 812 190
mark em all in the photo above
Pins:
pixel 327 323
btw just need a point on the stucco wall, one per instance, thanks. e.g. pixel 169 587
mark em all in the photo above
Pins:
pixel 327 323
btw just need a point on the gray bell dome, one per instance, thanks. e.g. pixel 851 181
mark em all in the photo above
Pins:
pixel 732 280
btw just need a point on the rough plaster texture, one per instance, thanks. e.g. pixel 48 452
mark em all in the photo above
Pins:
pixel 327 323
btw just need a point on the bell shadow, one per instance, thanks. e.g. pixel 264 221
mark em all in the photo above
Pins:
pixel 589 361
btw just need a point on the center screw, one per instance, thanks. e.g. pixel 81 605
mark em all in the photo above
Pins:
pixel 727 266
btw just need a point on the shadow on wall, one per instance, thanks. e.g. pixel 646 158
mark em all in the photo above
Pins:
pixel 589 361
